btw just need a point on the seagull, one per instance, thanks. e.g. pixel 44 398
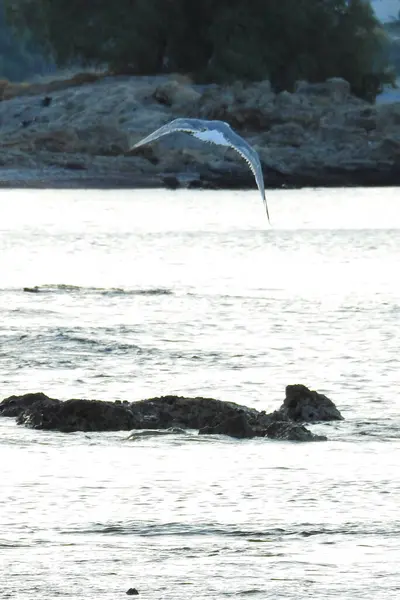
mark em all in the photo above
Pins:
pixel 214 132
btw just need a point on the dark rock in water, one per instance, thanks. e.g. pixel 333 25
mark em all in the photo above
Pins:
pixel 274 426
pixel 287 430
pixel 32 290
pixel 302 404
pixel 41 412
pixel 208 415
pixel 132 592
pixel 236 426
pixel 189 413
pixel 14 406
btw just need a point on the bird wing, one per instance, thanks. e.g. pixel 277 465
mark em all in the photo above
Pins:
pixel 184 125
pixel 234 140
pixel 252 159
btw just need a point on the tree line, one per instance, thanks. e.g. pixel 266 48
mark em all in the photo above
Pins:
pixel 20 56
pixel 214 40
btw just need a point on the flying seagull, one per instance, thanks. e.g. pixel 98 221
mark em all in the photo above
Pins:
pixel 214 132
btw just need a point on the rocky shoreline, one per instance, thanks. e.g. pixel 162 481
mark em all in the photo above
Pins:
pixel 207 415
pixel 77 133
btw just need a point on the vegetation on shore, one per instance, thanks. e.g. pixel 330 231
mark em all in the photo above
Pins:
pixel 280 40
pixel 20 55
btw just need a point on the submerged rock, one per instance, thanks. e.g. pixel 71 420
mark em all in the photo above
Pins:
pixel 146 433
pixel 174 414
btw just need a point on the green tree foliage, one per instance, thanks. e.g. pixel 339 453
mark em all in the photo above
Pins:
pixel 19 57
pixel 218 40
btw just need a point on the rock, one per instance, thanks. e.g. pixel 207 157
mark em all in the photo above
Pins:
pixel 340 135
pixel 390 147
pixel 286 134
pixel 191 413
pixel 175 94
pixel 318 135
pixel 286 430
pixel 55 141
pixel 174 414
pixel 236 426
pixel 132 592
pixel 40 412
pixel 336 89
pixel 276 426
pixel 14 406
pixel 388 117
pixel 107 139
pixel 302 404
pixel 245 107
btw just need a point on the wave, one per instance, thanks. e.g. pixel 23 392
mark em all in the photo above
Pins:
pixel 76 289
pixel 232 530
pixel 119 339
pixel 102 340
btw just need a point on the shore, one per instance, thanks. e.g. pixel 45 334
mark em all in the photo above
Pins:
pixel 78 133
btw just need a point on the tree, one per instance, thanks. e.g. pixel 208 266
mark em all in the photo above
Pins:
pixel 19 57
pixel 218 40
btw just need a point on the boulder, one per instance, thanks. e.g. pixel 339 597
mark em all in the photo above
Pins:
pixel 191 413
pixel 77 415
pixel 335 88
pixel 286 134
pixel 174 414
pixel 248 107
pixel 287 430
pixel 14 406
pixel 302 404
pixel 236 426
pixel 176 94
pixel 273 428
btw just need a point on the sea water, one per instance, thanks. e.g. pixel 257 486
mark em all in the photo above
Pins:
pixel 125 295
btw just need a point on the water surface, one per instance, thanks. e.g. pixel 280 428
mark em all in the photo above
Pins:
pixel 143 293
